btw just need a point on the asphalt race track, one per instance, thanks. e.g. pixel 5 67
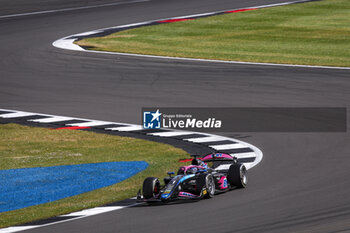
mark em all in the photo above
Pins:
pixel 302 184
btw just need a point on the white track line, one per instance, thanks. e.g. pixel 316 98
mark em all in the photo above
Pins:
pixel 69 9
pixel 17 114
pixel 206 139
pixel 126 128
pixel 211 60
pixel 217 61
pixel 91 123
pixel 16 229
pixel 52 119
pixel 171 134
pixel 23 228
pixel 228 146
pixel 66 43
pixel 93 211
pixel 243 155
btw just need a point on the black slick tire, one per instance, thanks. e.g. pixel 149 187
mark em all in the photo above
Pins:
pixel 206 181
pixel 237 175
pixel 150 187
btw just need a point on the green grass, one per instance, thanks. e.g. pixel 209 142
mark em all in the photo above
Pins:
pixel 315 33
pixel 22 147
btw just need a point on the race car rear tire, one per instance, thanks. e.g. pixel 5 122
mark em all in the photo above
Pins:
pixel 237 175
pixel 151 187
pixel 206 181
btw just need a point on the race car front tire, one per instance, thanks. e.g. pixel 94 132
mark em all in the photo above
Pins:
pixel 207 182
pixel 237 175
pixel 151 187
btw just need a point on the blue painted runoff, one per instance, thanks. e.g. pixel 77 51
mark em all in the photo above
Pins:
pixel 24 187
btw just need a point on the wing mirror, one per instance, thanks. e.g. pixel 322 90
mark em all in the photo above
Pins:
pixel 171 173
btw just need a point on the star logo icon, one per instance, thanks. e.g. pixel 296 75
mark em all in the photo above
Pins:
pixel 156 115
pixel 152 119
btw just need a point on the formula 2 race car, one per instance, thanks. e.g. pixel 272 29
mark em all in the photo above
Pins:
pixel 207 176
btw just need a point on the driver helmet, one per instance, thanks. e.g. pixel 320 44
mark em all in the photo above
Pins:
pixel 192 170
pixel 203 164
pixel 199 162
